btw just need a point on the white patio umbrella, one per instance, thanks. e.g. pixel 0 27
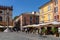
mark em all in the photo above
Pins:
pixel 34 25
pixel 29 25
pixel 24 26
pixel 44 24
pixel 1 26
pixel 55 22
pixel 11 26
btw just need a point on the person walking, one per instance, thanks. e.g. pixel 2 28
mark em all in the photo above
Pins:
pixel 26 30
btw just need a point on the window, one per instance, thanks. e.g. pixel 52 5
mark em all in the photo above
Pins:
pixel 25 20
pixel 41 11
pixel 0 11
pixel 49 17
pixel 42 19
pixel 30 19
pixel 49 8
pixel 37 19
pixel 56 17
pixel 55 9
pixel 0 18
pixel 56 2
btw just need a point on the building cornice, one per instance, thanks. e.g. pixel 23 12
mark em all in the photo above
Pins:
pixel 6 7
pixel 45 4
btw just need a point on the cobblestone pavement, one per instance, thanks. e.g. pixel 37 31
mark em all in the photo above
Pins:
pixel 24 36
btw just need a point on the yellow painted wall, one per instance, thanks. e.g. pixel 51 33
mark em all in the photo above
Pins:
pixel 46 12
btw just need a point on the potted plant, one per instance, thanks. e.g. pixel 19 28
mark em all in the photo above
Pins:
pixel 43 30
pixel 54 30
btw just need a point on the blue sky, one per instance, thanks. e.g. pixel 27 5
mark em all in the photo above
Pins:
pixel 21 6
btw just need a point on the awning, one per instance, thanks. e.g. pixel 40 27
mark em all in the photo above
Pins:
pixel 42 24
pixel 1 26
pixel 6 26
pixel 55 22
pixel 9 26
pixel 34 25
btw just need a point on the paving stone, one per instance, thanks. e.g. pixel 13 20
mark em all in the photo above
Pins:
pixel 24 36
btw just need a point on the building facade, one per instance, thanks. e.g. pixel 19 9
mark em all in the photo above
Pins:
pixel 50 12
pixel 27 19
pixel 46 13
pixel 6 16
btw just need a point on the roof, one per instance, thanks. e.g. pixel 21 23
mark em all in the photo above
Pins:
pixel 45 4
pixel 30 13
pixel 5 7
